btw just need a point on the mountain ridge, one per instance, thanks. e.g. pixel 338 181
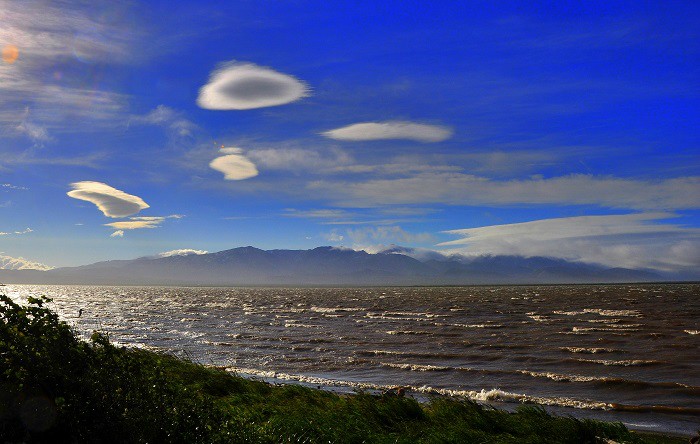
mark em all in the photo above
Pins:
pixel 324 266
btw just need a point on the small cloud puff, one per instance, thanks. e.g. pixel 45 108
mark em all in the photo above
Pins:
pixel 234 164
pixel 241 86
pixel 111 201
pixel 181 252
pixel 118 233
pixel 418 132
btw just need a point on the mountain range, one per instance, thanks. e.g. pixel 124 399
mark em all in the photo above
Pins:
pixel 326 266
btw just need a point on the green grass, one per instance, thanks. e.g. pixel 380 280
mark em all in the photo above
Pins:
pixel 57 388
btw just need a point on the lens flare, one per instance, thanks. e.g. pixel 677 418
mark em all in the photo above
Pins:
pixel 10 53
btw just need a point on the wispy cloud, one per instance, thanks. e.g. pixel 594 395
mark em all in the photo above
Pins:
pixel 466 189
pixel 36 133
pixel 16 233
pixel 20 263
pixel 418 132
pixel 54 38
pixel 325 213
pixel 386 234
pixel 164 116
pixel 9 186
pixel 639 240
pixel 294 159
pixel 241 86
pixel 234 165
pixel 139 222
pixel 111 201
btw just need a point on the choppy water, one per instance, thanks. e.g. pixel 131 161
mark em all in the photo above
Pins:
pixel 615 352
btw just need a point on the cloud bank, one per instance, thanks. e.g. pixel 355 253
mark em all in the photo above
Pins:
pixel 234 165
pixel 241 86
pixel 19 263
pixel 391 130
pixel 181 252
pixel 639 240
pixel 111 201
pixel 467 189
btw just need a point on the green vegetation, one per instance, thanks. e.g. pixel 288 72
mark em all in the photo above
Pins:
pixel 57 388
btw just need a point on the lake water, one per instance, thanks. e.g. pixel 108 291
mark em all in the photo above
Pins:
pixel 614 352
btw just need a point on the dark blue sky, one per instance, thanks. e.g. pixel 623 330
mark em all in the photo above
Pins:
pixel 556 128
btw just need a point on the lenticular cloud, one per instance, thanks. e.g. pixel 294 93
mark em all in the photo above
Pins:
pixel 419 132
pixel 234 165
pixel 247 86
pixel 111 201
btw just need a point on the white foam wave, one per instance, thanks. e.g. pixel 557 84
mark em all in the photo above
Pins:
pixel 623 363
pixel 407 332
pixel 479 396
pixel 561 378
pixel 416 367
pixel 692 332
pixel 500 395
pixel 591 350
pixel 478 325
pixel 601 312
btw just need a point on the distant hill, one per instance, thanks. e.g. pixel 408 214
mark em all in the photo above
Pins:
pixel 329 266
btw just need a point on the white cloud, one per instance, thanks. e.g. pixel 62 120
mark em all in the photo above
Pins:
pixel 19 263
pixel 234 165
pixel 181 252
pixel 636 240
pixel 111 201
pixel 466 189
pixel 118 233
pixel 16 233
pixel 140 222
pixel 240 86
pixel 391 130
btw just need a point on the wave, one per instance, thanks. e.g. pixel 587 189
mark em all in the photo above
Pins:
pixel 589 350
pixel 692 332
pixel 608 329
pixel 615 381
pixel 601 312
pixel 623 363
pixel 503 396
pixel 408 354
pixel 407 332
pixel 417 367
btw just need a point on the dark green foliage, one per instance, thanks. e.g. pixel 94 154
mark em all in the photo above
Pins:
pixel 56 388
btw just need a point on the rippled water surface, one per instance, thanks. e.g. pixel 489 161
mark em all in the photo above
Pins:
pixel 616 352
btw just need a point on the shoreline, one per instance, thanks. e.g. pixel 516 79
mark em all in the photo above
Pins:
pixel 347 388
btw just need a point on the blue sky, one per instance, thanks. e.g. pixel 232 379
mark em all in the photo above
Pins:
pixel 562 129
